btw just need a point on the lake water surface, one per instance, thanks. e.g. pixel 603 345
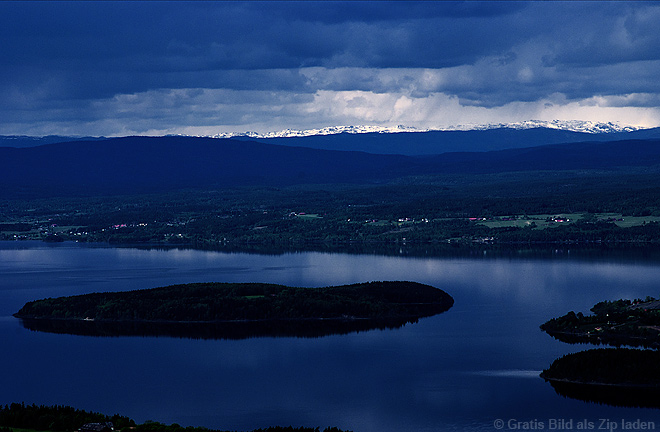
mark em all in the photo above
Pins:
pixel 460 370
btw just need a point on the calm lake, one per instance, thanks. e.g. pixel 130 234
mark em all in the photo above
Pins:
pixel 464 369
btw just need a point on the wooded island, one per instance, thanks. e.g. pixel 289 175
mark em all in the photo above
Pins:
pixel 237 310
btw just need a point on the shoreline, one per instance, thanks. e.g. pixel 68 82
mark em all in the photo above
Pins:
pixel 598 384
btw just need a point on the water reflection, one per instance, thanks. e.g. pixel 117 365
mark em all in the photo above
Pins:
pixel 560 251
pixel 613 340
pixel 510 373
pixel 224 330
pixel 635 397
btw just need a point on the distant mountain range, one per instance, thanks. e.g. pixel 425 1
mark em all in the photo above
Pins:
pixel 567 125
pixel 151 164
pixel 20 141
pixel 438 142
pixel 409 141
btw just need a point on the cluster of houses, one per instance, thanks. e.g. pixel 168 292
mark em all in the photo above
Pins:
pixel 97 427
pixel 553 219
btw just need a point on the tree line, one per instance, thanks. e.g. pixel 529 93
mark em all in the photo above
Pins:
pixel 59 418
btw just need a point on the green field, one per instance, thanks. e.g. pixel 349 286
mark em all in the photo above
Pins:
pixel 543 221
pixel 309 216
pixel 630 221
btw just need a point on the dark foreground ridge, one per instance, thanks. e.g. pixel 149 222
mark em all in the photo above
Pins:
pixel 619 377
pixel 237 310
pixel 65 419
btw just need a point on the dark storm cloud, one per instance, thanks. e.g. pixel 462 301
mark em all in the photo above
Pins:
pixel 97 49
pixel 370 11
pixel 96 60
pixel 628 33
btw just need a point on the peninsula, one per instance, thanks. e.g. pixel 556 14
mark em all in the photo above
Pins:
pixel 620 322
pixel 237 310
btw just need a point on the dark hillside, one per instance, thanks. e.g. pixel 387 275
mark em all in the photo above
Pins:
pixel 143 164
pixel 559 157
pixel 151 164
pixel 20 141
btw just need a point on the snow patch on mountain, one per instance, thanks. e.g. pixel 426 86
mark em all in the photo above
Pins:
pixel 333 130
pixel 567 125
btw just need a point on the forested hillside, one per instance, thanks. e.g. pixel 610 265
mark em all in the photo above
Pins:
pixel 218 193
pixel 133 165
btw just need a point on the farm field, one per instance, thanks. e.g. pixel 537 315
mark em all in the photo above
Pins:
pixel 543 221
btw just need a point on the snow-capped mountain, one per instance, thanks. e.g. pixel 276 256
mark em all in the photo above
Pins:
pixel 566 125
pixel 332 130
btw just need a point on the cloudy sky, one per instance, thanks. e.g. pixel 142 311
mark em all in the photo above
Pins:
pixel 118 68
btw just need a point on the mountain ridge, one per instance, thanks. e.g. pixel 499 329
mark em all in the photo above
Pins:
pixel 150 164
pixel 410 141
pixel 437 142
pixel 567 125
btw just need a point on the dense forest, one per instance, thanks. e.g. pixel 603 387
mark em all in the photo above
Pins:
pixel 211 302
pixel 67 419
pixel 55 418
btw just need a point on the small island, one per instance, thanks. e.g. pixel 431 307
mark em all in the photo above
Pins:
pixel 619 376
pixel 616 323
pixel 237 310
